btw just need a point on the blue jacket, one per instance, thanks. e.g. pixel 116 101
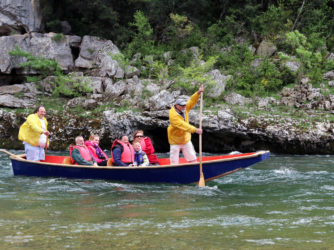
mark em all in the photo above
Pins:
pixel 141 158
pixel 117 152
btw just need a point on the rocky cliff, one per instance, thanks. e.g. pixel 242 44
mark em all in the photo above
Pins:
pixel 299 121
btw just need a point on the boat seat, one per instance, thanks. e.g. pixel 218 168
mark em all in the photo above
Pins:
pixel 67 160
pixel 109 162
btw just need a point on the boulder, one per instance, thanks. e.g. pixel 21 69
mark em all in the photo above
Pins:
pixel 20 16
pixel 236 99
pixel 95 83
pixel 11 101
pixel 108 67
pixel 151 87
pixel 256 63
pixel 219 83
pixel 329 75
pixel 115 89
pixel 266 49
pixel 87 104
pixel 25 89
pixel 163 100
pixel 39 45
pixel 134 88
pixel 131 71
pixel 293 66
pixel 93 51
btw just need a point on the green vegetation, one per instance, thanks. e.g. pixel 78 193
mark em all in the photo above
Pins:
pixel 58 37
pixel 303 31
pixel 183 42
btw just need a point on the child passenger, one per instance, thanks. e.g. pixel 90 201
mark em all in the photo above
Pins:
pixel 140 156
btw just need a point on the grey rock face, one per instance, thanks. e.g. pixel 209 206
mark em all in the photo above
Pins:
pixel 235 99
pixel 27 89
pixel 20 15
pixel 220 82
pixel 14 102
pixel 162 100
pixel 93 51
pixel 39 45
pixel 116 89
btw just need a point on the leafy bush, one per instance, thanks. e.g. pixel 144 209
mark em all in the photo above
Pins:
pixel 58 37
pixel 272 22
pixel 142 41
pixel 191 77
pixel 309 52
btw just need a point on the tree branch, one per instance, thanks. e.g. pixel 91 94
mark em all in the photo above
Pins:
pixel 299 12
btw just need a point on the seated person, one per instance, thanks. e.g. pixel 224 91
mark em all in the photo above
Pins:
pixel 122 152
pixel 140 156
pixel 146 146
pixel 80 154
pixel 97 153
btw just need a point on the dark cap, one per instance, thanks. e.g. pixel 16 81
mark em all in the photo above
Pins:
pixel 181 102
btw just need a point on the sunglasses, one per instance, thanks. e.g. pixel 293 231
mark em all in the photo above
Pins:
pixel 139 136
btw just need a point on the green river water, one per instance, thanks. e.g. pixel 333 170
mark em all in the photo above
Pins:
pixel 285 202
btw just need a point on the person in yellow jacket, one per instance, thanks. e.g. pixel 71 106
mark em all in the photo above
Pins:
pixel 179 129
pixel 34 134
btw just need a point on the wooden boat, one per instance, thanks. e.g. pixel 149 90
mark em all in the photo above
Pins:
pixel 183 173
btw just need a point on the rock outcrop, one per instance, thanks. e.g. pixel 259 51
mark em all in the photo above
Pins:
pixel 92 60
pixel 224 131
pixel 20 16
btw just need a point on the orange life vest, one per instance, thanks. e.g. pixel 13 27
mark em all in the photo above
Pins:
pixel 128 153
pixel 83 151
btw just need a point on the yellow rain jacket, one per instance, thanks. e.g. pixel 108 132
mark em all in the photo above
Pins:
pixel 179 130
pixel 31 130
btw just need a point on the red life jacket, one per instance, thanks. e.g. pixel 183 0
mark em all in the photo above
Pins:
pixel 92 151
pixel 143 144
pixel 128 153
pixel 83 151
pixel 149 150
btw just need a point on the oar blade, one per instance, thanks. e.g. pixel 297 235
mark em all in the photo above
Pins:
pixel 201 182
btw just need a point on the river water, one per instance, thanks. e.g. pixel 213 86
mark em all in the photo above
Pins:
pixel 283 202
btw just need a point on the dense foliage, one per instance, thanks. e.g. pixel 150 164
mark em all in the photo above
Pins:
pixel 223 30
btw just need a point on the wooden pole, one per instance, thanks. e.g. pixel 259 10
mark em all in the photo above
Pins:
pixel 201 182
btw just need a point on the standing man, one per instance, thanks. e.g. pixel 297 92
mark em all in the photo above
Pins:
pixel 179 130
pixel 34 134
